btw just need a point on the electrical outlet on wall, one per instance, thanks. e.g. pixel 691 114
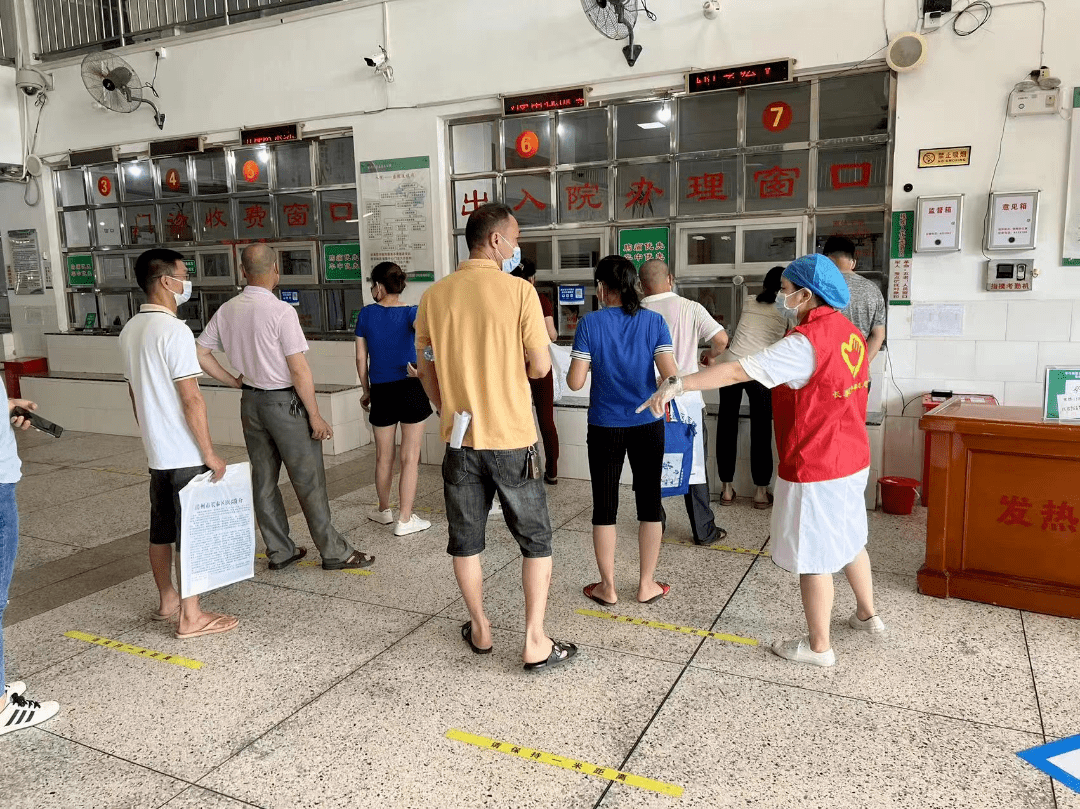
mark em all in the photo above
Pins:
pixel 933 13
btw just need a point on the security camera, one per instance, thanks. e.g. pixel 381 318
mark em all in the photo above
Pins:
pixel 377 60
pixel 32 82
pixel 711 9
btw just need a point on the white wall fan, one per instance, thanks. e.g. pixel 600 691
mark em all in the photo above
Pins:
pixel 115 85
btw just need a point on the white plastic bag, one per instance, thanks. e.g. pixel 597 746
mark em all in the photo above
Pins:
pixel 560 367
pixel 217 531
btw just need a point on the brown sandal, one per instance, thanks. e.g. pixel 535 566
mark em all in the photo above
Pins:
pixel 726 502
pixel 759 504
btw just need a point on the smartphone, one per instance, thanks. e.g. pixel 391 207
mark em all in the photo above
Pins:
pixel 38 423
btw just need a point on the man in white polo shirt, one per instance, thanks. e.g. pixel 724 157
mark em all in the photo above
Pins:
pixel 690 324
pixel 262 338
pixel 162 372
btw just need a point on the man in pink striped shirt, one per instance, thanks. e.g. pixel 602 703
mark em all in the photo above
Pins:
pixel 262 338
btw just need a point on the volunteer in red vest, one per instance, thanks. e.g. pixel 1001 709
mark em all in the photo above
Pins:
pixel 819 378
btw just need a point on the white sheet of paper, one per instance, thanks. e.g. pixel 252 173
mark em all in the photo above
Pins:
pixel 938 320
pixel 217 540
pixel 1072 386
pixel 461 426
pixel 1068 406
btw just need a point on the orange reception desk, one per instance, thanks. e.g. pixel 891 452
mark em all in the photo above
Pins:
pixel 1003 525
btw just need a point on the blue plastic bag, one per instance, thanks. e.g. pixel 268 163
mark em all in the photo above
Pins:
pixel 678 452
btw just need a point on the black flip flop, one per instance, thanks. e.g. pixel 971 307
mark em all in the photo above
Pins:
pixel 561 651
pixel 466 633
pixel 664 590
pixel 301 552
pixel 720 534
pixel 588 591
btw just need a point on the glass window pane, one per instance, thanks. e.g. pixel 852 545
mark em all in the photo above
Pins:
pixel 72 188
pixel 83 304
pixel 337 208
pixel 579 254
pixel 772 245
pixel 854 105
pixel 190 313
pixel 708 186
pixel 583 195
pixel 718 300
pixel 530 197
pixel 253 218
pixel 115 311
pixel 474 147
pixel 211 173
pixel 296 214
pixel 103 187
pixel 715 247
pixel 777 180
pixel 463 248
pixel 642 191
pixel 107 227
pixel 344 307
pixel 296 263
pixel 867 230
pixel 113 268
pixel 778 114
pixel 252 167
pixel 173 176
pixel 538 251
pixel 177 221
pixel 336 163
pixel 470 195
pixel 212 301
pixel 292 164
pixel 852 176
pixel 583 136
pixel 215 220
pixel 76 229
pixel 643 129
pixel 216 265
pixel 708 122
pixel 528 142
pixel 141 224
pixel 138 180
pixel 310 310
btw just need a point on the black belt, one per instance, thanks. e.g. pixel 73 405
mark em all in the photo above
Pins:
pixel 289 389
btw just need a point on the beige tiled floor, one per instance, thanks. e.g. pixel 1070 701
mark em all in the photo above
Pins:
pixel 338 689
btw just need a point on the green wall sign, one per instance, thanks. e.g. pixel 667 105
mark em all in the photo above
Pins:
pixel 80 271
pixel 190 264
pixel 1061 389
pixel 903 234
pixel 643 244
pixel 422 276
pixel 342 262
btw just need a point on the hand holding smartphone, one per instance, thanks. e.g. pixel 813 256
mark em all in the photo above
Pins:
pixel 37 422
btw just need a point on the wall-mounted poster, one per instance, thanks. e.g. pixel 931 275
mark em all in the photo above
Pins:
pixel 26 271
pixel 396 222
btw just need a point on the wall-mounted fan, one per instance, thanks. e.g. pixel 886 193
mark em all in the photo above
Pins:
pixel 906 52
pixel 616 19
pixel 115 85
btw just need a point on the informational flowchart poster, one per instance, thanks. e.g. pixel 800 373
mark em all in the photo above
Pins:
pixel 396 218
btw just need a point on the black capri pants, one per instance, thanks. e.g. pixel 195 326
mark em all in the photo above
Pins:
pixel 608 447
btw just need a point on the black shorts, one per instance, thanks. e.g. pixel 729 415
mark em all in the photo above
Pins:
pixel 403 401
pixel 165 486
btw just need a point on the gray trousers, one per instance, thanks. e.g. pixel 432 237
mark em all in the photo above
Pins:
pixel 276 430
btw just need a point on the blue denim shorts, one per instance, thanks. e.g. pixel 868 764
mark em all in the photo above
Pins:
pixel 470 479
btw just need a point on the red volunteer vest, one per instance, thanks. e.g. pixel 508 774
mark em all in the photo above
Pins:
pixel 821 428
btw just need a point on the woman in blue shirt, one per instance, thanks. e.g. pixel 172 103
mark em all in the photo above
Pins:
pixel 386 363
pixel 621 343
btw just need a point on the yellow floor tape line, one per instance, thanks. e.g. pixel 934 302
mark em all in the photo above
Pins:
pixel 574 765
pixel 685 630
pixel 355 572
pixel 138 651
pixel 716 547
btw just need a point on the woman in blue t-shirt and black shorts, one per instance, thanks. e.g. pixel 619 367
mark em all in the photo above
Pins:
pixel 621 343
pixel 386 363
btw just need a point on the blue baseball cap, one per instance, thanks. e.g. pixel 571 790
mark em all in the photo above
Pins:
pixel 818 274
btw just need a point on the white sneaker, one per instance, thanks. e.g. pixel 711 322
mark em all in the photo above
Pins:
pixel 799 651
pixel 381 517
pixel 873 624
pixel 496 507
pixel 25 713
pixel 17 688
pixel 414 526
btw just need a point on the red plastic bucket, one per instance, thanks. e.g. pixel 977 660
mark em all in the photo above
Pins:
pixel 898 494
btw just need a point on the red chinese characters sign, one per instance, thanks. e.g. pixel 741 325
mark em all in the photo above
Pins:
pixel 705 187
pixel 215 218
pixel 581 196
pixel 529 198
pixel 470 204
pixel 255 217
pixel 341 211
pixel 776 182
pixel 1050 516
pixel 639 199
pixel 296 216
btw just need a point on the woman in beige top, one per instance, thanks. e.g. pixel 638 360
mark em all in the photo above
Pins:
pixel 760 326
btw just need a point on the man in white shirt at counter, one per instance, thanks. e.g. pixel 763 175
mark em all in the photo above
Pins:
pixel 262 338
pixel 690 324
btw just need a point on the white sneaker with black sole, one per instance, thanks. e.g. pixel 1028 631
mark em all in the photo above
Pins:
pixel 414 526
pixel 23 713
pixel 381 517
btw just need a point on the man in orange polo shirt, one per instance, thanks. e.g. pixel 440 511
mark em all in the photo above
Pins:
pixel 473 329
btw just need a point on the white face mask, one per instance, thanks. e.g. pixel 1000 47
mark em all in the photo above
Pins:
pixel 790 313
pixel 182 297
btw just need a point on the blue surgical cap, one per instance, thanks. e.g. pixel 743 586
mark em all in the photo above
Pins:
pixel 818 274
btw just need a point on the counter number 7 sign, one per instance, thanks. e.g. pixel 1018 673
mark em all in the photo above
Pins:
pixel 777 116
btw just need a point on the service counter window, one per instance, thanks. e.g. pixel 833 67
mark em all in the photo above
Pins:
pixel 215 268
pixel 568 254
pixel 343 309
pixel 721 299
pixel 84 310
pixel 107 227
pixel 296 263
pixel 76 228
pixel 115 311
pixel 309 307
pixel 112 270
pixel 212 301
pixel 867 230
pixel 751 245
pixel 191 313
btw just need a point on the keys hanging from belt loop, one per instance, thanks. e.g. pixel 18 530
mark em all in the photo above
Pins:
pixel 532 463
pixel 295 408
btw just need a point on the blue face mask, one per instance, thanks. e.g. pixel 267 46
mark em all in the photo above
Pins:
pixel 782 307
pixel 512 263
